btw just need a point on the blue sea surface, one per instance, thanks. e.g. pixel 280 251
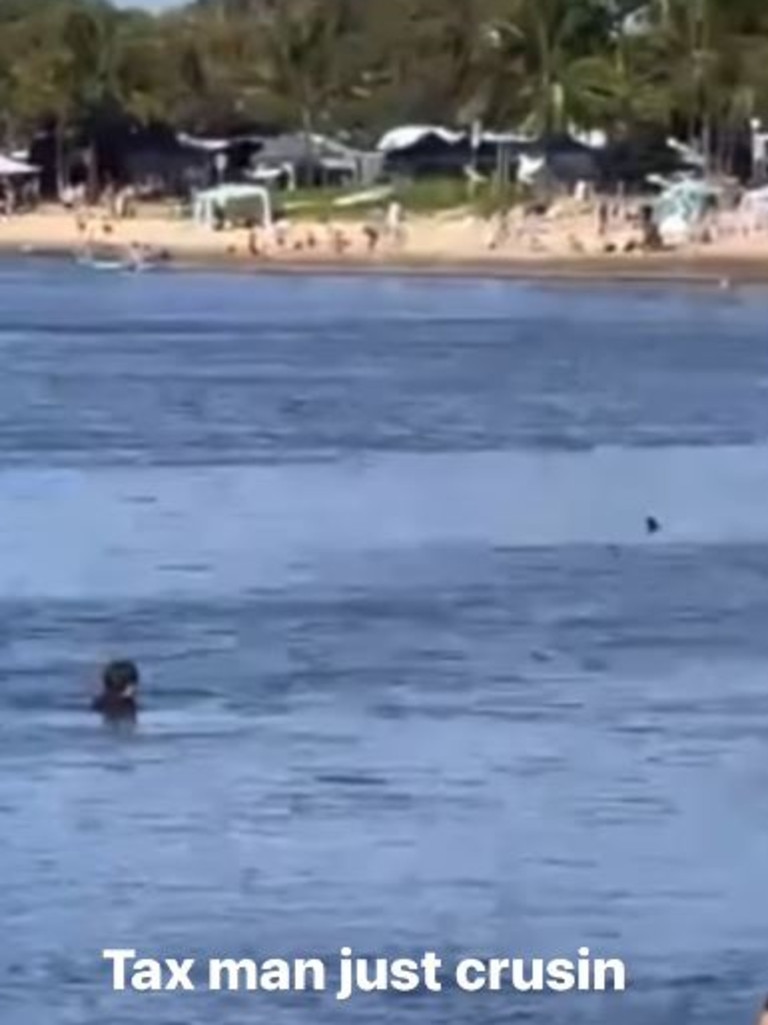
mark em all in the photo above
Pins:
pixel 416 678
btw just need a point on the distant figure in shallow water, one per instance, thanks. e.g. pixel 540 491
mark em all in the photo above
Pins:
pixel 652 525
pixel 120 683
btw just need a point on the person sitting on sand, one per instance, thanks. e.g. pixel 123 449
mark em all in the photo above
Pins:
pixel 120 683
pixel 340 241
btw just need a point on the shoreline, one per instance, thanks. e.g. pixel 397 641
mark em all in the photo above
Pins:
pixel 670 268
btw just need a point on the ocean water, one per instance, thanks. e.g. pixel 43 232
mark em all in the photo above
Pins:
pixel 415 677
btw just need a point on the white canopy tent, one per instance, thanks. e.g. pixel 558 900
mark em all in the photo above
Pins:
pixel 235 197
pixel 10 168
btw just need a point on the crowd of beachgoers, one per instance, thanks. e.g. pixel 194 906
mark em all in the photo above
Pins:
pixel 570 229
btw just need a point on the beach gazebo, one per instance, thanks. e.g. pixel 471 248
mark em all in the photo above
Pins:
pixel 236 201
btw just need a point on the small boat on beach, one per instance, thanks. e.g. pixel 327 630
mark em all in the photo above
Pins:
pixel 95 264
pixel 137 258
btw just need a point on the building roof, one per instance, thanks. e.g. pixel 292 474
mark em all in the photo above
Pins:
pixel 296 146
pixel 405 136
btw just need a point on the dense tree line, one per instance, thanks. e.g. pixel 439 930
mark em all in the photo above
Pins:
pixel 696 67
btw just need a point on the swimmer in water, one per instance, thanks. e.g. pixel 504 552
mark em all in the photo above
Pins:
pixel 120 683
pixel 652 525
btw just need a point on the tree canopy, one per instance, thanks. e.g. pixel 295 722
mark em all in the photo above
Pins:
pixel 695 67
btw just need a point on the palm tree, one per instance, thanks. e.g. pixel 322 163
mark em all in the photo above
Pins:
pixel 63 67
pixel 547 43
pixel 301 40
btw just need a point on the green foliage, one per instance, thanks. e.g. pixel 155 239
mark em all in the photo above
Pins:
pixel 427 196
pixel 700 66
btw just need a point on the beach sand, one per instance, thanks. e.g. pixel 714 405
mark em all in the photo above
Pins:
pixel 562 246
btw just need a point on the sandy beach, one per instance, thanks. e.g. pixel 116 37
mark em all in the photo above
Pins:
pixel 567 246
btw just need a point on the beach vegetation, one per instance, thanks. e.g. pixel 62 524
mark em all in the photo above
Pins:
pixel 697 69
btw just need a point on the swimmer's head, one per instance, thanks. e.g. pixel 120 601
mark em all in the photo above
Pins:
pixel 121 679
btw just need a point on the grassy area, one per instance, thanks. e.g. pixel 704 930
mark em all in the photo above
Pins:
pixel 425 196
pixel 320 204
pixel 432 195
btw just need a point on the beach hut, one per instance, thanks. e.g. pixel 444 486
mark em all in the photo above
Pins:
pixel 235 202
pixel 423 151
pixel 309 159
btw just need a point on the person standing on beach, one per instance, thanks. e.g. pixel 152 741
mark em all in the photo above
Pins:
pixel 254 240
pixel 500 232
pixel 603 218
pixel 371 235
pixel 395 222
